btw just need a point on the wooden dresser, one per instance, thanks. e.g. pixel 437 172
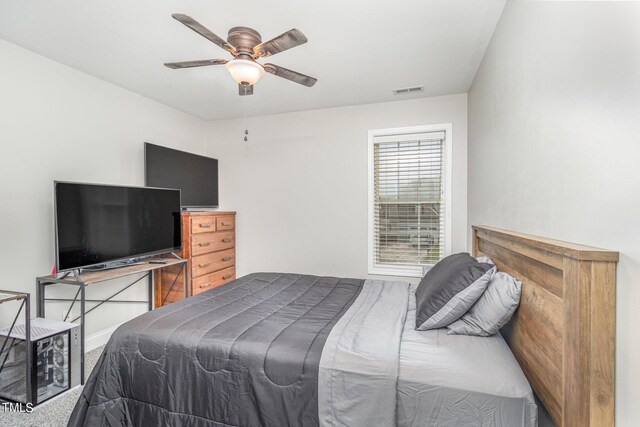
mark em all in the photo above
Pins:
pixel 209 244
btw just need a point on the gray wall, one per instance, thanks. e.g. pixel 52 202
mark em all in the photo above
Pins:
pixel 57 123
pixel 300 183
pixel 554 143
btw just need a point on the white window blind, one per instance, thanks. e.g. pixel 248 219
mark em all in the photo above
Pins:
pixel 408 199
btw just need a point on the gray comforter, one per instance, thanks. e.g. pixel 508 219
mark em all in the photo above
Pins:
pixel 360 361
pixel 244 354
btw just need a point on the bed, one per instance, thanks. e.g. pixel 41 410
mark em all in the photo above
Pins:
pixel 275 349
pixel 452 380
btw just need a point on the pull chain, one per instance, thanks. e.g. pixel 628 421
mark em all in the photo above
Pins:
pixel 246 130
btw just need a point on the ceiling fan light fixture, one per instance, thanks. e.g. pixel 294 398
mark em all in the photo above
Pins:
pixel 244 71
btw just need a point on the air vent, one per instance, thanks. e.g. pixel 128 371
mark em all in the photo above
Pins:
pixel 407 90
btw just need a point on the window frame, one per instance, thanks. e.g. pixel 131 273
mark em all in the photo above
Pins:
pixel 417 270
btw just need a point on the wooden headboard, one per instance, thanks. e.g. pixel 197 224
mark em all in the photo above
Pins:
pixel 563 333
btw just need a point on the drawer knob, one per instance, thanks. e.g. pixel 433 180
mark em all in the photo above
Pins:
pixel 226 223
pixel 205 244
pixel 228 276
pixel 204 265
pixel 205 225
pixel 226 240
pixel 227 258
pixel 205 285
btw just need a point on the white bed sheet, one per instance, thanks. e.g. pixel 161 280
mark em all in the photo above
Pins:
pixel 459 380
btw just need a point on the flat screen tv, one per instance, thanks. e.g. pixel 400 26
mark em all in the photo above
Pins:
pixel 195 176
pixel 97 225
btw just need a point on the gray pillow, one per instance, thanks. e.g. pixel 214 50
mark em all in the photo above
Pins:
pixel 493 310
pixel 449 289
pixel 485 259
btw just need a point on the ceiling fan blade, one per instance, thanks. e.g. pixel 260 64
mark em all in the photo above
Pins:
pixel 245 90
pixel 294 76
pixel 191 64
pixel 284 41
pixel 204 32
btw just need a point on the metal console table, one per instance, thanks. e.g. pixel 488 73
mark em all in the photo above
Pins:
pixel 6 296
pixel 82 279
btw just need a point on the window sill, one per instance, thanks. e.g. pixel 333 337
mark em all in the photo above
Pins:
pixel 396 271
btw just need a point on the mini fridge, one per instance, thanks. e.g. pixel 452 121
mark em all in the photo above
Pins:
pixel 55 366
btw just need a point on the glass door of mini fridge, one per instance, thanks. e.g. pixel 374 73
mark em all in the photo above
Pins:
pixel 52 366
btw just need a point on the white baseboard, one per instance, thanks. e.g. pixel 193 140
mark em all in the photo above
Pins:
pixel 98 339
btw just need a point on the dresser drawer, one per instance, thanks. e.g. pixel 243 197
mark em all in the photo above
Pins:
pixel 203 224
pixel 205 264
pixel 211 242
pixel 225 223
pixel 213 280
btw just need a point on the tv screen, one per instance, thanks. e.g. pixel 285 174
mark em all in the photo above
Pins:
pixel 196 176
pixel 97 224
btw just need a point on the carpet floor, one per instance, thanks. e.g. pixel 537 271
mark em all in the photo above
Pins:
pixel 56 412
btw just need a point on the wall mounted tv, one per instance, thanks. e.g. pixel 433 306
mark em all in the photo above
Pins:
pixel 196 176
pixel 102 226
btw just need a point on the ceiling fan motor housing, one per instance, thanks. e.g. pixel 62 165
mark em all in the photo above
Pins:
pixel 244 39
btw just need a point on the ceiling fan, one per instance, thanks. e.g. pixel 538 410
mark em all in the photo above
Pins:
pixel 246 46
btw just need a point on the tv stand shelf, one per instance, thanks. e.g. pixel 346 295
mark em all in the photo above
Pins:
pixel 87 278
pixel 91 277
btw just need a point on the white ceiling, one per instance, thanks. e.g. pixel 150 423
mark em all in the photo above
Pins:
pixel 359 50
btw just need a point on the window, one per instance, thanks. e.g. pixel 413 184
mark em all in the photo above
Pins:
pixel 408 198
